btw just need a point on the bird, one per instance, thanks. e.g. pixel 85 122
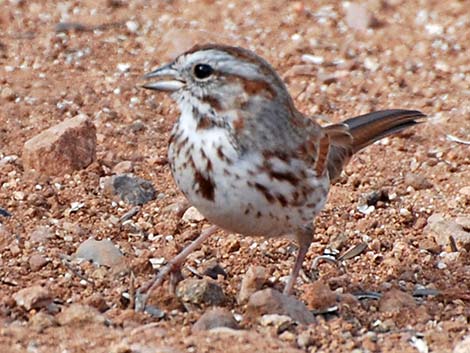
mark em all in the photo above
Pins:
pixel 245 157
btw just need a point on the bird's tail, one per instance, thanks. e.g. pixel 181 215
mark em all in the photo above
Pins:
pixel 365 130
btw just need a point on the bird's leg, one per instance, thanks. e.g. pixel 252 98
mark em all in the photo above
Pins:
pixel 172 266
pixel 304 238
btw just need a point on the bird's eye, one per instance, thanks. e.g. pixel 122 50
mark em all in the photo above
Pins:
pixel 202 71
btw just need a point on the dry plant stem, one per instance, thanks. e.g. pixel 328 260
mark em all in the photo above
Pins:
pixel 144 292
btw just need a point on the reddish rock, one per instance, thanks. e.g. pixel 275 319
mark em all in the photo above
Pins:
pixel 37 261
pixel 318 296
pixel 63 148
pixel 395 300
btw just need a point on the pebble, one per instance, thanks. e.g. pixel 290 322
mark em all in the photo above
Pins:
pixel 79 314
pixel 395 300
pixel 359 17
pixel 130 189
pixel 123 167
pixel 212 269
pixel 270 301
pixel 318 296
pixel 4 213
pixel 192 215
pixel 132 26
pixel 216 317
pixel 253 280
pixel 37 261
pixel 279 322
pixel 417 181
pixel 41 321
pixel 97 301
pixel 35 297
pixel 101 252
pixel 199 292
pixel 371 199
pixel 177 208
pixel 63 148
pixel 442 229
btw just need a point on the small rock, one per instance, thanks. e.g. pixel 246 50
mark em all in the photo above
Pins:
pixel 199 292
pixel 4 213
pixel 216 317
pixel 252 281
pixel 212 269
pixel 130 189
pixel 63 148
pixel 442 229
pixel 279 322
pixel 448 258
pixel 270 301
pixel 37 261
pixel 192 215
pixel 35 297
pixel 374 197
pixel 359 17
pixel 395 300
pixel 123 167
pixel 417 181
pixel 178 208
pixel 429 245
pixel 101 252
pixel 318 296
pixel 79 314
pixel 97 301
pixel 41 321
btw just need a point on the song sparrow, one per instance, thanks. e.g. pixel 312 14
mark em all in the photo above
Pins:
pixel 245 157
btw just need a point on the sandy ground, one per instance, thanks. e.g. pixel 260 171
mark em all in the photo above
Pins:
pixel 411 54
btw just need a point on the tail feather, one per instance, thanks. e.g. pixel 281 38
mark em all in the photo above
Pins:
pixel 363 131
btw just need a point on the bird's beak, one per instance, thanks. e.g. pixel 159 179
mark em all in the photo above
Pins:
pixel 165 78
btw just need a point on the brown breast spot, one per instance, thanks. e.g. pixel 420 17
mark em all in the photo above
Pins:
pixel 206 185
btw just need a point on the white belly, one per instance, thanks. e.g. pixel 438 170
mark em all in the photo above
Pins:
pixel 234 192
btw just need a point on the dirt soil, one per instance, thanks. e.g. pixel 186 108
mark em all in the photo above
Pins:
pixel 59 59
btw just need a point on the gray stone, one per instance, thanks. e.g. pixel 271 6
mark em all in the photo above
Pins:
pixel 270 301
pixel 101 252
pixel 130 189
pixel 199 292
pixel 216 317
